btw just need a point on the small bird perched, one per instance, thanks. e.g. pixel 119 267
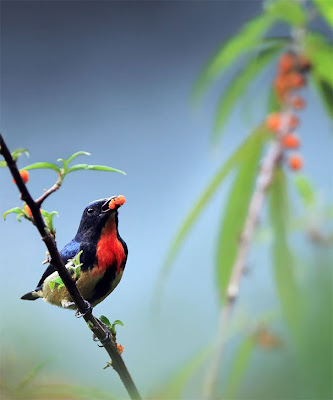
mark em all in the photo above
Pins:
pixel 103 257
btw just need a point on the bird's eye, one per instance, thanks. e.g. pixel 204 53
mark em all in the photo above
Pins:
pixel 90 211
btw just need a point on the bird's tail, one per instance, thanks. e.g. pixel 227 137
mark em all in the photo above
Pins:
pixel 30 296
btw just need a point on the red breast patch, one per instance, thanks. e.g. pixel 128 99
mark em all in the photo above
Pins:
pixel 109 249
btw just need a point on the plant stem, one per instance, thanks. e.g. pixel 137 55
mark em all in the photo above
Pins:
pixel 93 323
pixel 264 180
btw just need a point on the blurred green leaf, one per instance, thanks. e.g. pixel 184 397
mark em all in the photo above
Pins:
pixel 15 210
pixel 282 257
pixel 243 42
pixel 288 11
pixel 239 364
pixel 44 165
pixel 305 189
pixel 3 164
pixel 33 373
pixel 79 167
pixel 319 50
pixel 235 212
pixel 325 9
pixel 240 82
pixel 235 159
pixel 273 103
pixel 57 391
pixel 176 385
pixel 326 93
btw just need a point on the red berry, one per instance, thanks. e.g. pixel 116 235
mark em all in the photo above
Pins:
pixel 295 162
pixel 298 102
pixel 27 210
pixel 273 121
pixel 24 175
pixel 120 348
pixel 286 62
pixel 290 141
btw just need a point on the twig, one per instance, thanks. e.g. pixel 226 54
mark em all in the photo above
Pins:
pixel 94 324
pixel 49 191
pixel 263 182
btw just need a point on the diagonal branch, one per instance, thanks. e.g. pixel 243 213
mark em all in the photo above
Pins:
pixel 94 324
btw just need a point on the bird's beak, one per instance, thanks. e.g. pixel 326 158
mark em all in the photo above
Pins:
pixel 113 203
pixel 106 206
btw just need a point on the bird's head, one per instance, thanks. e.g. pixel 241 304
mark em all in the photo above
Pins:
pixel 98 213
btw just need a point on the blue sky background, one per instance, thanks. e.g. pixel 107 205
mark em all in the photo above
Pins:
pixel 114 79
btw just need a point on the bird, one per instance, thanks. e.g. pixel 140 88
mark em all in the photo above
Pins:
pixel 103 257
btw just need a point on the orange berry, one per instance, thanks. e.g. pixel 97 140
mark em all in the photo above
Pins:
pixel 295 162
pixel 24 175
pixel 303 62
pixel 286 62
pixel 295 80
pixel 27 210
pixel 298 102
pixel 290 141
pixel 120 200
pixel 120 348
pixel 293 121
pixel 273 121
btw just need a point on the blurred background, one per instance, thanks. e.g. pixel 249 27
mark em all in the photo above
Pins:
pixel 114 79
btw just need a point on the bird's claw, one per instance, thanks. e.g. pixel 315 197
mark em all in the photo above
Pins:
pixel 78 314
pixel 103 341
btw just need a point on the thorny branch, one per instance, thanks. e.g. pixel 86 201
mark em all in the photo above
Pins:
pixel 94 324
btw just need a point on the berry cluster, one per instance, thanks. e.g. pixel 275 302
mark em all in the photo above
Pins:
pixel 290 77
pixel 117 202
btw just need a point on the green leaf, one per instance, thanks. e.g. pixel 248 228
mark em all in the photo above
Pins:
pixel 305 189
pixel 118 322
pixel 325 9
pixel 239 84
pixel 239 364
pixel 3 164
pixel 234 160
pixel 79 167
pixel 326 94
pixel 48 217
pixel 15 210
pixel 44 165
pixel 288 11
pixel 243 42
pixel 319 50
pixel 105 320
pixel 282 257
pixel 17 153
pixel 56 281
pixel 236 211
pixel 79 153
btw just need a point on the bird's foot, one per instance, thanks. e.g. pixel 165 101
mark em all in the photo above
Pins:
pixel 78 314
pixel 71 304
pixel 106 339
